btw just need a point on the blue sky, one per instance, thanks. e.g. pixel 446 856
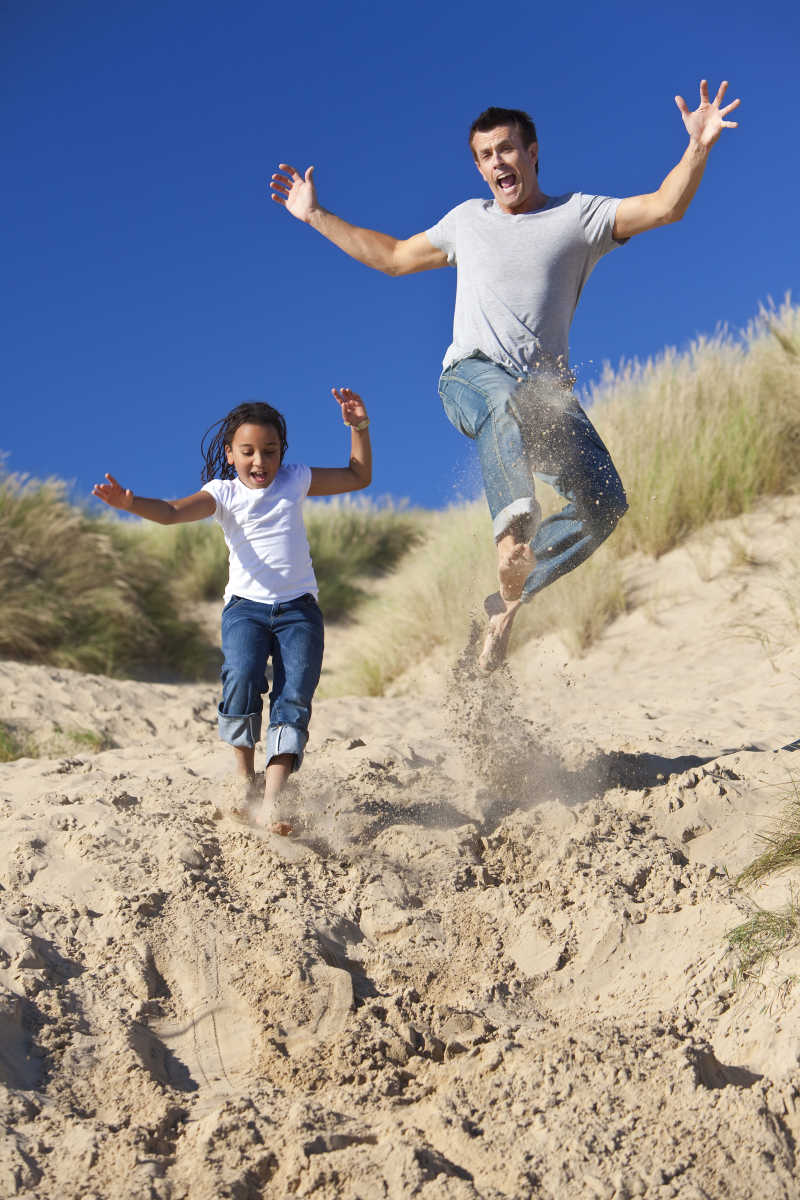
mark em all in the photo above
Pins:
pixel 150 285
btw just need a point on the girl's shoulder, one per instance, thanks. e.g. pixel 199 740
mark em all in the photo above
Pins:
pixel 294 479
pixel 290 483
pixel 222 490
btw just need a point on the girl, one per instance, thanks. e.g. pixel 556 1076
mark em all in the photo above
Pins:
pixel 270 601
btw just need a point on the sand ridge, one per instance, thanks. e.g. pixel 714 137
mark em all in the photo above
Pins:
pixel 492 965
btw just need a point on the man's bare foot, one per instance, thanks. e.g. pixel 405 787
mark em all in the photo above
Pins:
pixel 515 562
pixel 501 619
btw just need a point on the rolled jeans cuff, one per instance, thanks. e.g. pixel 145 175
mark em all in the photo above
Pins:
pixel 527 507
pixel 286 739
pixel 244 730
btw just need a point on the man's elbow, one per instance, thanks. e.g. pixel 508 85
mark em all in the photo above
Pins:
pixel 400 260
pixel 673 215
pixel 395 267
pixel 663 214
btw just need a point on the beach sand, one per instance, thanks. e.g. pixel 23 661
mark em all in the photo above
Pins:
pixel 493 962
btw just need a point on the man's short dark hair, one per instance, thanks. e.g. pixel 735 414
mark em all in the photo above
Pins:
pixel 492 117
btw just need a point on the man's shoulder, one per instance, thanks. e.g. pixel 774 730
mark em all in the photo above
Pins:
pixel 469 208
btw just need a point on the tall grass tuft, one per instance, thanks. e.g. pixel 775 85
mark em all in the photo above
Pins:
pixel 764 936
pixel 116 596
pixel 352 539
pixel 702 435
pixel 428 603
pixel 84 593
pixel 782 845
pixel 11 747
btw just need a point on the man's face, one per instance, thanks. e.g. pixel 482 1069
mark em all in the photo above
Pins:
pixel 508 166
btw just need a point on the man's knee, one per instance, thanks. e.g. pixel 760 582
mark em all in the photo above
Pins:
pixel 612 508
pixel 604 508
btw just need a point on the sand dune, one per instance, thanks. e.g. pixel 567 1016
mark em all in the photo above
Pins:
pixel 493 964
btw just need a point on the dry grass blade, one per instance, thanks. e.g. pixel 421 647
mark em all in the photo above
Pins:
pixel 783 845
pixel 762 938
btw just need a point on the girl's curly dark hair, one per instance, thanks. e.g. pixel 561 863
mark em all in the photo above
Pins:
pixel 222 431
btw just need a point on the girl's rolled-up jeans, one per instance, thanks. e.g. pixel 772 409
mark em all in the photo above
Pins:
pixel 535 428
pixel 291 632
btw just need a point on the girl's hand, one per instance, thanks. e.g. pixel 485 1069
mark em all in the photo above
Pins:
pixel 113 493
pixel 351 404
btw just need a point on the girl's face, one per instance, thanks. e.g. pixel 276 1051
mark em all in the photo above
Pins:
pixel 255 454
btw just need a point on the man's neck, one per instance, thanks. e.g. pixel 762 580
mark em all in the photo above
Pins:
pixel 532 204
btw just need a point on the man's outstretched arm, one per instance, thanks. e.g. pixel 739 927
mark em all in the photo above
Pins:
pixel 637 214
pixel 393 256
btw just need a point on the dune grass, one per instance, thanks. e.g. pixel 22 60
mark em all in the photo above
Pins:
pixel 79 593
pixel 116 596
pixel 11 747
pixel 353 539
pixel 702 435
pixel 782 842
pixel 761 940
pixel 697 436
pixel 765 935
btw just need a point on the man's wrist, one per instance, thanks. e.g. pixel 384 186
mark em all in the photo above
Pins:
pixel 361 426
pixel 697 149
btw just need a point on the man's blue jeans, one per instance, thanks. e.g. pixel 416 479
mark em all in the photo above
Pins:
pixel 536 428
pixel 292 633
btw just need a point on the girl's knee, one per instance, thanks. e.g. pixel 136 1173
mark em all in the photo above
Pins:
pixel 243 679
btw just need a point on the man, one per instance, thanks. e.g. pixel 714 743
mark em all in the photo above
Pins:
pixel 523 258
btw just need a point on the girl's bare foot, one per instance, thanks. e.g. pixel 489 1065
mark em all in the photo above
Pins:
pixel 241 791
pixel 266 816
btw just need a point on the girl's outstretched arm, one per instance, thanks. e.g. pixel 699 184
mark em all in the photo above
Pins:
pixel 164 512
pixel 331 481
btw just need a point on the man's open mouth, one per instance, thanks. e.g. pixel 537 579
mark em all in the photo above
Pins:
pixel 506 182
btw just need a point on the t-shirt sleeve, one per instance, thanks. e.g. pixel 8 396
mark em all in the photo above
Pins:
pixel 442 235
pixel 299 479
pixel 214 488
pixel 597 219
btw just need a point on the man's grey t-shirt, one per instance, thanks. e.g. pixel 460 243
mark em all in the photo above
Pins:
pixel 520 275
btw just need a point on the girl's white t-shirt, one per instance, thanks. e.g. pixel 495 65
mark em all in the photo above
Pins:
pixel 268 553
